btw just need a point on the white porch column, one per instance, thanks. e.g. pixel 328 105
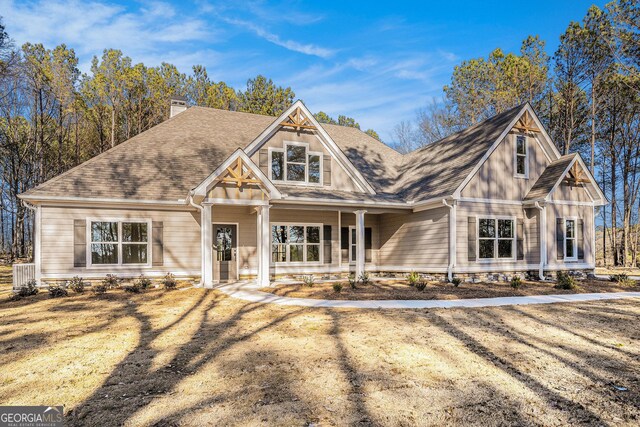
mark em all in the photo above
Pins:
pixel 360 254
pixel 453 222
pixel 206 235
pixel 263 247
pixel 37 243
pixel 543 239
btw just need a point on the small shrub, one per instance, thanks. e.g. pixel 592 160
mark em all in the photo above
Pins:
pixel 413 278
pixel 337 287
pixel 308 280
pixel 132 288
pixel 143 282
pixel 169 282
pixel 111 281
pixel 57 291
pixel 99 289
pixel 77 285
pixel 421 285
pixel 516 282
pixel 564 281
pixel 364 278
pixel 456 281
pixel 622 278
pixel 352 281
pixel 28 289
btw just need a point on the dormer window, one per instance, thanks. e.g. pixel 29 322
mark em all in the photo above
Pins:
pixel 522 163
pixel 295 164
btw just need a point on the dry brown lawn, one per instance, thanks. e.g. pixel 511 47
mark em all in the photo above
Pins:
pixel 400 290
pixel 198 357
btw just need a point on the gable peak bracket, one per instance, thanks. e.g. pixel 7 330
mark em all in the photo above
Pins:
pixel 526 124
pixel 298 120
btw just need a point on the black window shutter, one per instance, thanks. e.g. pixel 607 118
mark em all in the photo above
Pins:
pixel 326 236
pixel 157 242
pixel 559 238
pixel 471 238
pixel 520 238
pixel 344 243
pixel 79 243
pixel 367 244
pixel 580 238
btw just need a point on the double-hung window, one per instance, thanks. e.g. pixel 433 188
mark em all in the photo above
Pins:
pixel 296 243
pixel 296 164
pixel 521 156
pixel 119 242
pixel 496 238
pixel 570 247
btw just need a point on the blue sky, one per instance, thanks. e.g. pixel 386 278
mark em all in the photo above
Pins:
pixel 377 62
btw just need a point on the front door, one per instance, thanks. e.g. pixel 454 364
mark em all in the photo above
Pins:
pixel 225 266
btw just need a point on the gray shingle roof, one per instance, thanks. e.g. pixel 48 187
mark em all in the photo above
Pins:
pixel 548 179
pixel 438 169
pixel 170 159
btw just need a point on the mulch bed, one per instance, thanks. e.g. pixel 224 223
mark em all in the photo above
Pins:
pixel 400 290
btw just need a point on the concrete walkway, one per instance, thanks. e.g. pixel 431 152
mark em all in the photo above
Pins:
pixel 248 291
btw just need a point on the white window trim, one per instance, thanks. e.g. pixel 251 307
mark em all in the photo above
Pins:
pixel 495 239
pixel 147 221
pixel 304 252
pixel 283 150
pixel 526 157
pixel 574 238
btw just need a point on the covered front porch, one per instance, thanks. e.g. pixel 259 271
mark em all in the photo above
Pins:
pixel 264 241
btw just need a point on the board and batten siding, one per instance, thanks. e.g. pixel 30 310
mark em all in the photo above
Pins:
pixel 495 179
pixel 565 191
pixel 531 241
pixel 181 241
pixel 415 240
pixel 339 178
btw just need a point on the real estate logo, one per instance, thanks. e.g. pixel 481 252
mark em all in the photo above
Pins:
pixel 31 416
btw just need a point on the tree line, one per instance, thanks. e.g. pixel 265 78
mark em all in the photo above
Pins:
pixel 588 97
pixel 53 117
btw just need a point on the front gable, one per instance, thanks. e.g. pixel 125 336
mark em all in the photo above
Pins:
pixel 237 178
pixel 498 177
pixel 296 151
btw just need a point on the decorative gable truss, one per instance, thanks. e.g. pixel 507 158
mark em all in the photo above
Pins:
pixel 298 120
pixel 237 178
pixel 527 124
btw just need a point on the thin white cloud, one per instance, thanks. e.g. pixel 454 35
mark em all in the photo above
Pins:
pixel 307 49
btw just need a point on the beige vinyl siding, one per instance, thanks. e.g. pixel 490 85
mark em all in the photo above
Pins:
pixel 371 221
pixel 340 178
pixel 563 211
pixel 568 192
pixel 495 179
pixel 181 238
pixel 478 210
pixel 247 240
pixel 418 239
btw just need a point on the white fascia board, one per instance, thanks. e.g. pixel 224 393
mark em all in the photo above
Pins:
pixel 351 203
pixel 329 143
pixel 550 143
pixel 208 182
pixel 35 199
pixel 578 158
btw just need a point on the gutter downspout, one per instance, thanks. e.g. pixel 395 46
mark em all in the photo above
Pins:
pixel 543 239
pixel 452 236
pixel 198 207
pixel 35 239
